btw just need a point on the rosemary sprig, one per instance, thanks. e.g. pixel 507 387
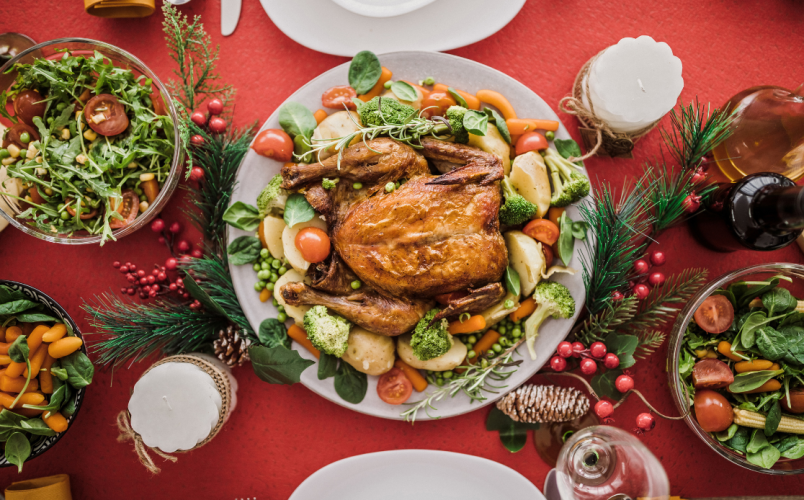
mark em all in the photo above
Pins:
pixel 694 132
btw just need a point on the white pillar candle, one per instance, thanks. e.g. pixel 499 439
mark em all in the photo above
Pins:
pixel 176 405
pixel 634 83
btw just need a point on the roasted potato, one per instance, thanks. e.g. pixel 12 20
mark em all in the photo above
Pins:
pixel 493 143
pixel 369 352
pixel 292 253
pixel 272 229
pixel 526 257
pixel 336 125
pixel 447 361
pixel 498 311
pixel 529 177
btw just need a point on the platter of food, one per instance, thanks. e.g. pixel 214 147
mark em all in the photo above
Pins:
pixel 408 241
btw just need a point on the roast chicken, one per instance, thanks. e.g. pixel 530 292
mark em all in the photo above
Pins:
pixel 433 235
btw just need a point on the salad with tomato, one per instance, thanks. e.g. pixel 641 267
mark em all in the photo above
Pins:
pixel 742 361
pixel 90 144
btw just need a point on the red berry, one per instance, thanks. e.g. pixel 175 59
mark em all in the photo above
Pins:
pixel 151 279
pixel 616 295
pixel 641 291
pixel 158 225
pixel 656 279
pixel 152 294
pixel 197 140
pixel 197 253
pixel 143 281
pixel 172 287
pixel 116 264
pixel 558 363
pixel 124 269
pixel 691 203
pixel 183 246
pixel 215 106
pixel 146 289
pixel 199 118
pixel 645 422
pixel 564 349
pixel 698 176
pixel 171 263
pixel 658 258
pixel 588 366
pixel 175 228
pixel 611 361
pixel 155 271
pixel 161 276
pixel 128 264
pixel 641 266
pixel 155 288
pixel 217 125
pixel 131 290
pixel 186 295
pixel 179 282
pixel 132 278
pixel 577 349
pixel 131 267
pixel 597 350
pixel 141 273
pixel 161 240
pixel 124 290
pixel 196 174
pixel 624 383
pixel 603 409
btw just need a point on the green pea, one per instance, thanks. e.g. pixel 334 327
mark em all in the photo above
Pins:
pixel 471 354
pixel 517 332
pixel 484 363
pixel 274 277
pixel 261 274
pixel 257 269
pixel 259 285
pixel 497 347
pixel 282 317
pixel 264 253
pixel 356 284
pixel 357 185
pixel 472 339
pixel 276 264
pixel 396 185
pixel 282 270
pixel 64 216
pixel 447 374
pixel 388 84
pixel 429 80
pixel 490 353
pixel 280 308
pixel 390 187
pixel 502 329
pixel 4 154
pixel 25 137
pixel 504 342
pixel 549 135
pixel 265 265
pixel 50 120
pixel 138 191
pixel 270 287
pixel 60 106
pixel 143 198
pixel 275 302
pixel 61 206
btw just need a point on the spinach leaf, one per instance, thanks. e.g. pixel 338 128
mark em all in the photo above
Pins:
pixel 771 343
pixel 755 290
pixel 752 322
pixel 740 440
pixel 793 319
pixel 794 336
pixel 512 281
pixel 459 98
pixel 16 306
pixel 35 316
pixel 499 122
pixel 18 449
pixel 60 373
pixel 779 301
pixel 244 250
pixel 476 122
pixel 566 240
pixel 36 427
pixel 761 452
pixel 568 148
pixel 744 382
pixel 513 435
pixel 327 366
pixel 242 216
pixel 773 419
pixel 603 384
pixel 297 210
pixel 79 369
pixel 202 296
pixel 18 350
pixel 273 333
pixel 56 399
pixel 728 433
pixel 9 423
pixel 297 120
pixel 624 347
pixel 69 407
pixel 795 451
pixel 364 72
pixel 277 365
pixel 350 384
pixel 404 91
pixel 301 149
pixel 757 442
pixel 7 294
pixel 579 229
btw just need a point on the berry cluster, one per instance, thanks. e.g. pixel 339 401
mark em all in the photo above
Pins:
pixel 179 248
pixel 596 352
pixel 642 267
pixel 150 285
pixel 212 122
pixel 692 202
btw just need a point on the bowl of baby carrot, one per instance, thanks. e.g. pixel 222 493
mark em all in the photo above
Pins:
pixel 44 372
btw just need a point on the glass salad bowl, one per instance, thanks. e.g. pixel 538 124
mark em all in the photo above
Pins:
pixel 121 59
pixel 759 272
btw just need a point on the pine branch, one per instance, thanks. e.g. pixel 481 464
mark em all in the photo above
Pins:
pixel 695 132
pixel 669 189
pixel 601 324
pixel 649 341
pixel 660 306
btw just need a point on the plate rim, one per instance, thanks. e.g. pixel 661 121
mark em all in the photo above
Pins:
pixel 380 11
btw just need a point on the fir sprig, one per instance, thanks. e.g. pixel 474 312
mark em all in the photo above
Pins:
pixel 670 187
pixel 649 341
pixel 694 132
pixel 664 301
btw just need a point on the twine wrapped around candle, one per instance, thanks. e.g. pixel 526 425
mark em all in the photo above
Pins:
pixel 223 385
pixel 612 143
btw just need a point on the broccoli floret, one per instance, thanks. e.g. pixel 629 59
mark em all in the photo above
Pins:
pixel 569 184
pixel 329 183
pixel 516 208
pixel 327 332
pixel 393 112
pixel 273 197
pixel 430 341
pixel 455 116
pixel 552 299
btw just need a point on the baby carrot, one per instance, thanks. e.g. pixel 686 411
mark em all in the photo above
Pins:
pixel 319 116
pixel 35 338
pixel 473 324
pixel 37 360
pixel 752 366
pixel 64 347
pixel 554 213
pixel 265 294
pixel 299 335
pixel 518 126
pixel 29 398
pixel 45 377
pixel 12 332
pixel 498 101
pixel 4 347
pixel 769 386
pixel 378 87
pixel 58 331
pixel 484 344
pixel 5 359
pixel 524 310
pixel 14 370
pixel 27 412
pixel 471 101
pixel 419 382
pixel 55 421
pixel 15 384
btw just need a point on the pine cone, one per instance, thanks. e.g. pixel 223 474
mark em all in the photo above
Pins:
pixel 230 347
pixel 544 403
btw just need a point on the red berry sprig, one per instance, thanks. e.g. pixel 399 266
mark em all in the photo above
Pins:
pixel 149 285
pixel 645 422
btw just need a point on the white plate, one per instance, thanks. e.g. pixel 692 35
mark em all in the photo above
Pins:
pixel 256 171
pixel 444 25
pixel 382 8
pixel 419 474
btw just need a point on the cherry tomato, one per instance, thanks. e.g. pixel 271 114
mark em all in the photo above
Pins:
pixel 159 104
pixel 549 256
pixel 394 387
pixel 313 243
pixel 28 104
pixel 35 196
pixel 438 104
pixel 530 141
pixel 114 119
pixel 128 208
pixel 796 401
pixel 84 215
pixel 338 96
pixel 274 143
pixel 13 135
pixel 445 298
pixel 542 230
pixel 713 411
pixel 711 374
pixel 715 314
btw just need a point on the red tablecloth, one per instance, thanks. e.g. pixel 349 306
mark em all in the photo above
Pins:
pixel 280 435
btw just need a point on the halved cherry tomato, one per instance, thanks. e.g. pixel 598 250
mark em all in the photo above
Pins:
pixel 338 96
pixel 35 196
pixel 445 298
pixel 13 135
pixel 715 314
pixel 542 230
pixel 84 215
pixel 713 411
pixel 394 387
pixel 796 401
pixel 530 141
pixel 106 115
pixel 274 143
pixel 549 256
pixel 711 374
pixel 313 243
pixel 436 104
pixel 28 105
pixel 159 104
pixel 128 208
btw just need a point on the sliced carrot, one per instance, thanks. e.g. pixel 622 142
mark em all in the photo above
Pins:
pixel 15 385
pixel 498 101
pixel 55 421
pixel 472 102
pixel 419 382
pixel 425 93
pixel 518 126
pixel 378 87
pixel 299 335
pixel 484 344
pixel 12 332
pixel 37 360
pixel 524 310
pixel 473 324
pixel 320 115
pixel 58 331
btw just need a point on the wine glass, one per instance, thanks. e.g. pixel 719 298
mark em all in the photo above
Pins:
pixel 607 463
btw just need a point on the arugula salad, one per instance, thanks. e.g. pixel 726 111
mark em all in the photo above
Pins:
pixel 90 147
pixel 742 360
